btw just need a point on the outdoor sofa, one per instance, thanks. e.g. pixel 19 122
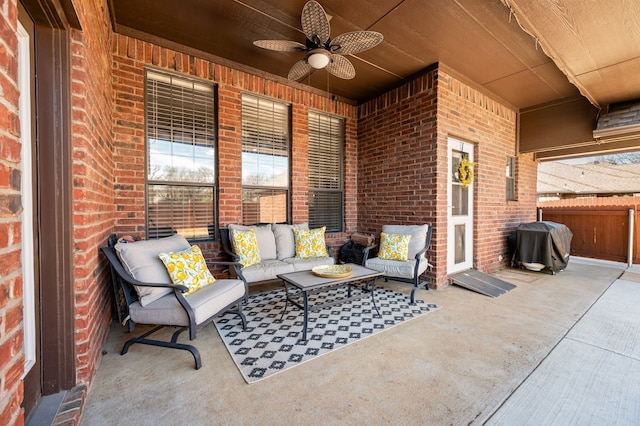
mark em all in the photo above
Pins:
pixel 276 249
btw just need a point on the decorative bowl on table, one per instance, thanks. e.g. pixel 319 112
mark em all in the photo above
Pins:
pixel 332 271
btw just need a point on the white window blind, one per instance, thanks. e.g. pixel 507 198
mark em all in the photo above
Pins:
pixel 326 160
pixel 265 160
pixel 181 147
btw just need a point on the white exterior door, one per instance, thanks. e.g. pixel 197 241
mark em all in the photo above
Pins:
pixel 460 211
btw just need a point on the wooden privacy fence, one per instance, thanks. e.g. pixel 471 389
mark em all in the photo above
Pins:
pixel 600 231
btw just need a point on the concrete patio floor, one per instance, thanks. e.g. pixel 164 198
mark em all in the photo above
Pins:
pixel 476 360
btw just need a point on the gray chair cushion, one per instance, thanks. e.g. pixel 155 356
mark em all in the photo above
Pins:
pixel 285 240
pixel 264 237
pixel 205 302
pixel 418 236
pixel 396 268
pixel 140 259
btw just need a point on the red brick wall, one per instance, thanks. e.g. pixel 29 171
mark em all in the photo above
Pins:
pixel 402 151
pixel 130 56
pixel 469 115
pixel 93 206
pixel 11 336
pixel 396 153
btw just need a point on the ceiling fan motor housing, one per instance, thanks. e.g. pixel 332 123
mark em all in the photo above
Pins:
pixel 319 58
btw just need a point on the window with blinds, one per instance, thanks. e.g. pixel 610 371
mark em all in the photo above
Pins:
pixel 511 180
pixel 180 124
pixel 326 160
pixel 265 160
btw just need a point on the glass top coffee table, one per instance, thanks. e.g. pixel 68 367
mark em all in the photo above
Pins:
pixel 307 282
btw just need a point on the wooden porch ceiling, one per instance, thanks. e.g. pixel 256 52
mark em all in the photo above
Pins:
pixel 527 52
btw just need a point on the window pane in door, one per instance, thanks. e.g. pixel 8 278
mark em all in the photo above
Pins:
pixel 460 200
pixel 459 194
pixel 460 242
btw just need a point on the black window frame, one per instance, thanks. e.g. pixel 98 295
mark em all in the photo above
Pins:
pixel 182 129
pixel 326 170
pixel 266 130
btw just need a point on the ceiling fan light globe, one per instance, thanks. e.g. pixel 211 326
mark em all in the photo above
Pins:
pixel 318 58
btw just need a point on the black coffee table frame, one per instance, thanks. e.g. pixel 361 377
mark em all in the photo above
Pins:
pixel 362 278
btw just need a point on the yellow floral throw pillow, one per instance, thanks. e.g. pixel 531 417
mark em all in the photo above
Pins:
pixel 245 245
pixel 187 268
pixel 394 247
pixel 310 243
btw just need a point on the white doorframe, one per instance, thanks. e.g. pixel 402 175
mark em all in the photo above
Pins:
pixel 460 211
pixel 28 280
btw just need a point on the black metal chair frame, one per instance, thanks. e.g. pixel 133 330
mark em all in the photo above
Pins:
pixel 225 240
pixel 126 282
pixel 417 283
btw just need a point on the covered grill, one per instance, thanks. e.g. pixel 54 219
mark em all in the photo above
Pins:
pixel 543 243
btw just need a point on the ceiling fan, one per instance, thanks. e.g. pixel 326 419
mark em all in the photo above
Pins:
pixel 322 51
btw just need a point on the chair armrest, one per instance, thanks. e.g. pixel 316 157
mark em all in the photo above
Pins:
pixel 129 279
pixel 182 288
pixel 237 267
pixel 221 262
pixel 426 245
pixel 366 253
pixel 421 252
pixel 225 242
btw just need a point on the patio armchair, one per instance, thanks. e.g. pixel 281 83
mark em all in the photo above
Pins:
pixel 146 295
pixel 402 255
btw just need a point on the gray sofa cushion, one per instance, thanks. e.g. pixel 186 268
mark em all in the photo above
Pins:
pixel 307 264
pixel 285 240
pixel 418 236
pixel 141 260
pixel 266 270
pixel 205 302
pixel 264 236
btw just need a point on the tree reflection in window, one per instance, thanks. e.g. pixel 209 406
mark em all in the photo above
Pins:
pixel 181 132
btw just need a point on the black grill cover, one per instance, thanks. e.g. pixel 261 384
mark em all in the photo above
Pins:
pixel 547 243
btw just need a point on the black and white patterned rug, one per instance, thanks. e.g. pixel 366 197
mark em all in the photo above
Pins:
pixel 269 346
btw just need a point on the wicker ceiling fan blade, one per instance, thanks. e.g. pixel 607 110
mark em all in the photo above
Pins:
pixel 355 42
pixel 281 45
pixel 320 47
pixel 300 69
pixel 315 23
pixel 341 67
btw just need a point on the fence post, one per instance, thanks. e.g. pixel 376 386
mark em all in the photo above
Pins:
pixel 631 226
